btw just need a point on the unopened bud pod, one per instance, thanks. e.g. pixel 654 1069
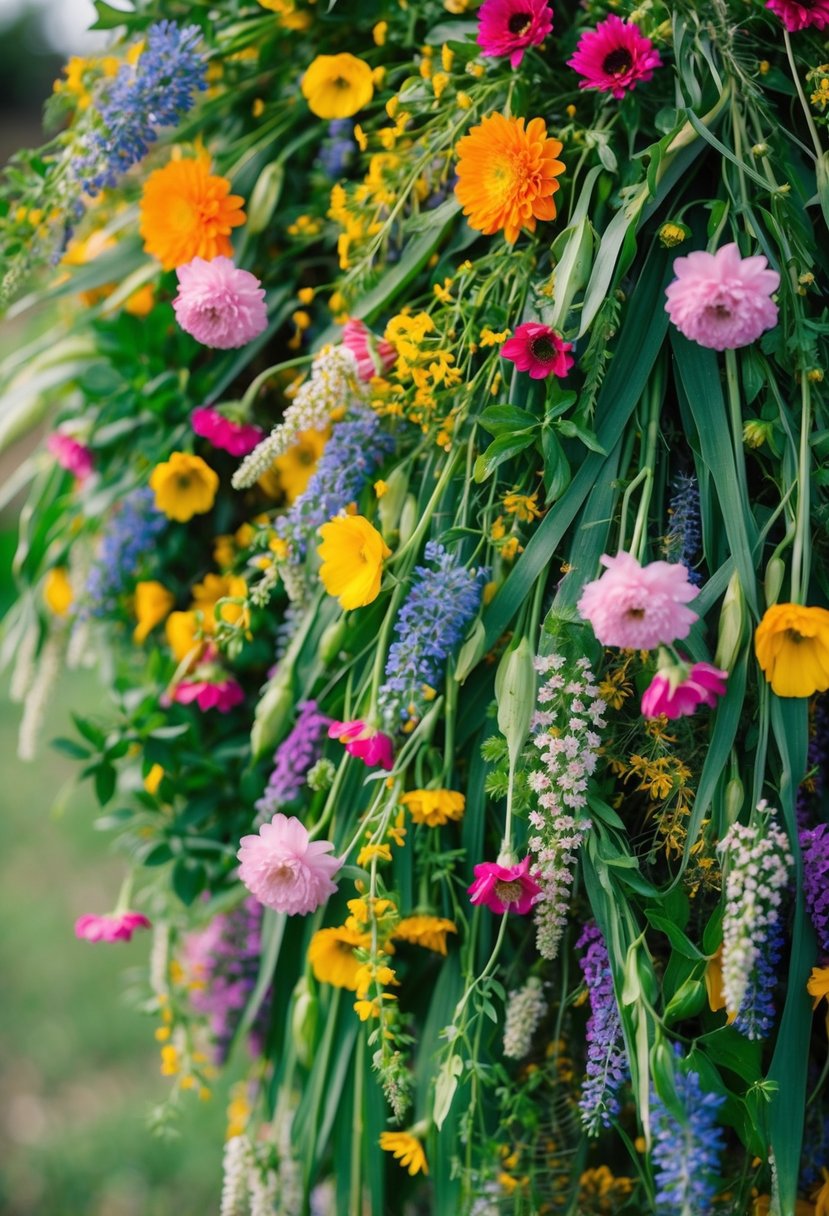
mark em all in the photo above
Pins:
pixel 515 696
pixel 686 1002
pixel 773 580
pixel 390 505
pixel 472 651
pixel 573 251
pixel 304 1017
pixel 331 642
pixel 272 712
pixel 408 519
pixel 733 800
pixel 265 196
pixel 732 625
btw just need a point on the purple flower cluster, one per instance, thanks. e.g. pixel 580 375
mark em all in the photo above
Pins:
pixel 431 624
pixel 686 1155
pixel 292 760
pixel 222 963
pixel 684 536
pixel 154 92
pixel 814 844
pixel 131 534
pixel 810 793
pixel 756 1017
pixel 352 455
pixel 607 1064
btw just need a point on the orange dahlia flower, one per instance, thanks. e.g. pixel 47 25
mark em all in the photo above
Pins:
pixel 188 213
pixel 507 175
pixel 792 647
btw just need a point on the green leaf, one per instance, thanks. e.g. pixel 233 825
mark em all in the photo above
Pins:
pixel 500 450
pixel 508 418
pixel 572 430
pixel 104 783
pixel 70 748
pixel 675 935
pixel 109 17
pixel 415 257
pixel 556 466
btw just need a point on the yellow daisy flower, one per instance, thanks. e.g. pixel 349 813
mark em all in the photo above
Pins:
pixel 184 486
pixel 331 955
pixel 352 553
pixel 407 1149
pixel 427 931
pixel 434 807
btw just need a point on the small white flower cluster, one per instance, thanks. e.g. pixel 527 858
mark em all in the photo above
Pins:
pixel 758 862
pixel 565 729
pixel 248 1189
pixel 39 694
pixel 525 1010
pixel 332 385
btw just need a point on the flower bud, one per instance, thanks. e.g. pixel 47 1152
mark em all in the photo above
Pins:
pixel 472 651
pixel 515 696
pixel 686 1002
pixel 331 642
pixel 773 580
pixel 733 800
pixel 272 712
pixel 408 518
pixel 573 254
pixel 732 624
pixel 265 196
pixel 304 1018
pixel 390 506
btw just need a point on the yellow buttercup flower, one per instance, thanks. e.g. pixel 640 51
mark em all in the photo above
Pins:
pixel 352 553
pixel 407 1149
pixel 184 486
pixel 792 647
pixel 152 604
pixel 523 506
pixel 181 631
pixel 427 931
pixel 57 591
pixel 434 807
pixel 153 779
pixel 337 86
pixel 331 955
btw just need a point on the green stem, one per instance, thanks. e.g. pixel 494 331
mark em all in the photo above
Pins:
pixel 735 412
pixel 263 377
pixel 801 547
pixel 802 96
pixel 355 1205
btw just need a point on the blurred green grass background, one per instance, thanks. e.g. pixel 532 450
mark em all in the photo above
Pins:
pixel 79 1068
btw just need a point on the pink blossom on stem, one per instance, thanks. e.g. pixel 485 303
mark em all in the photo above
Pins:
pixel 238 438
pixel 374 355
pixel 677 689
pixel 614 57
pixel 223 695
pixel 505 888
pixel 537 349
pixel 218 304
pixel 113 927
pixel 71 455
pixel 363 740
pixel 639 607
pixel 509 27
pixel 285 869
pixel 800 14
pixel 721 300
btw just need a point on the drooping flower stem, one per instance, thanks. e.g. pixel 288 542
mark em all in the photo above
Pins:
pixel 804 105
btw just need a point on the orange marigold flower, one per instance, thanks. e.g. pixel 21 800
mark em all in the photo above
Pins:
pixel 187 212
pixel 792 647
pixel 507 175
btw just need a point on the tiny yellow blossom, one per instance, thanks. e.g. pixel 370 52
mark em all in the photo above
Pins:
pixel 379 33
pixel 153 779
pixel 57 591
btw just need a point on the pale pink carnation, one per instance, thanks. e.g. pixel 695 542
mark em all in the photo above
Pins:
pixel 678 690
pixel 219 304
pixel 509 27
pixel 639 607
pixel 71 455
pixel 238 438
pixel 112 927
pixel 722 300
pixel 614 57
pixel 505 888
pixel 798 16
pixel 364 741
pixel 286 870
pixel 223 695
pixel 375 356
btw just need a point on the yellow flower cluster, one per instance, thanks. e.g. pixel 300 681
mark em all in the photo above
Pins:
pixel 186 631
pixel 424 367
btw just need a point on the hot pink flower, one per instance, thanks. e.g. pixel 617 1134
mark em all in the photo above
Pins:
pixel 209 694
pixel 114 927
pixel 219 304
pixel 509 27
pixel 505 888
pixel 286 870
pixel 537 349
pixel 638 607
pixel 374 355
pixel 363 740
pixel 677 689
pixel 798 14
pixel 721 300
pixel 75 457
pixel 614 57
pixel 238 438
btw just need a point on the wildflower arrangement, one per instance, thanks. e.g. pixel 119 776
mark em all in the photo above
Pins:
pixel 436 475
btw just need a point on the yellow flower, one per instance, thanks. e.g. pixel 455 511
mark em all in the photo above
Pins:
pixel 331 955
pixel 524 506
pixel 153 779
pixel 337 86
pixel 57 591
pixel 141 302
pixel 213 588
pixel 184 486
pixel 792 647
pixel 186 212
pixel 427 931
pixel 367 1009
pixel 352 553
pixel 369 974
pixel 181 631
pixel 434 807
pixel 407 1149
pixel 369 851
pixel 238 1111
pixel 818 984
pixel 296 466
pixel 379 33
pixel 152 604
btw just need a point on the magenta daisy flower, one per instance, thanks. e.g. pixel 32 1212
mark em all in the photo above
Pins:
pixel 537 349
pixel 800 14
pixel 508 27
pixel 614 57
pixel 505 888
pixel 721 300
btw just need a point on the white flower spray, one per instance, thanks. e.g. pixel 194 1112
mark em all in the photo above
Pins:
pixel 525 1010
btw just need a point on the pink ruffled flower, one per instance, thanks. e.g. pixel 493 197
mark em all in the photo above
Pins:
pixel 209 694
pixel 375 356
pixel 286 870
pixel 677 689
pixel 614 57
pixel 364 741
pixel 505 888
pixel 509 27
pixel 639 607
pixel 238 438
pixel 75 457
pixel 721 300
pixel 219 304
pixel 537 349
pixel 797 15
pixel 114 927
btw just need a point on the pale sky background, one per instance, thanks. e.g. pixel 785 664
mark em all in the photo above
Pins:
pixel 66 21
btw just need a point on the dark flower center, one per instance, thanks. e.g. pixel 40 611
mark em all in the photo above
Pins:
pixel 618 61
pixel 519 23
pixel 508 892
pixel 340 82
pixel 635 614
pixel 183 482
pixel 793 636
pixel 721 312
pixel 542 349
